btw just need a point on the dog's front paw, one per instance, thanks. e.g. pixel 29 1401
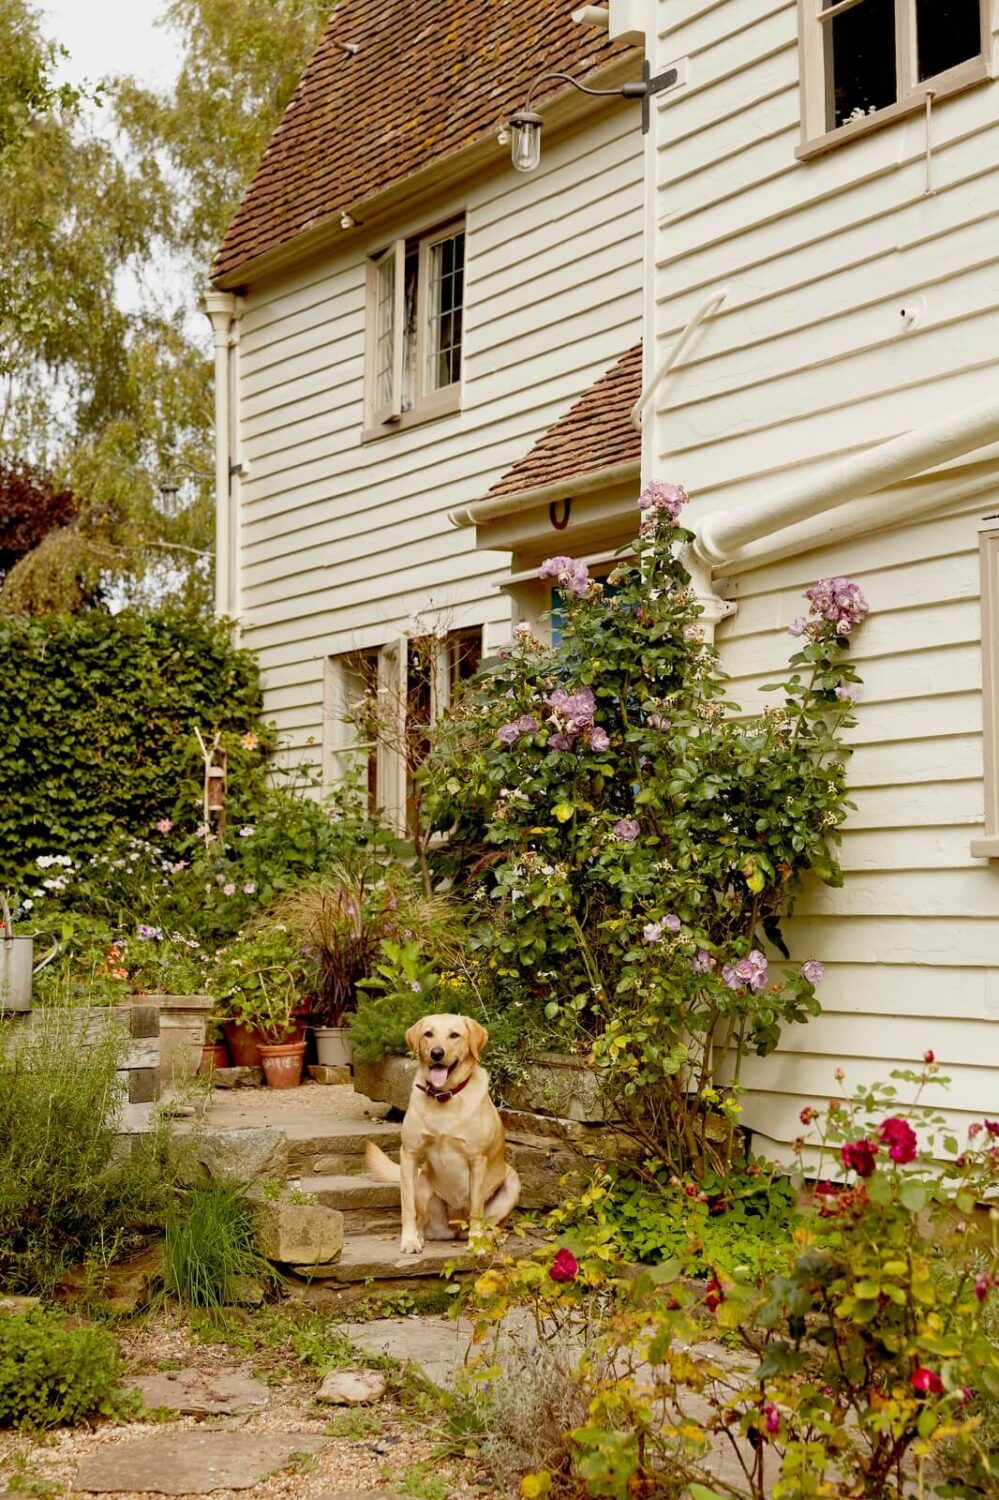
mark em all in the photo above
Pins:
pixel 411 1243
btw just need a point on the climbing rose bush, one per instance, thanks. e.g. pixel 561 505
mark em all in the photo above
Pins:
pixel 859 1371
pixel 631 841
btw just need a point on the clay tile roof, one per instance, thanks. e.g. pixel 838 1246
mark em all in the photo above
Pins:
pixel 594 434
pixel 426 81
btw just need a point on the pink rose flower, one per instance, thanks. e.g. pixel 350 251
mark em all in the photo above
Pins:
pixel 900 1138
pixel 565 1267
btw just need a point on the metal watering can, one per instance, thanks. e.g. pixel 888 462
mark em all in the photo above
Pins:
pixel 17 965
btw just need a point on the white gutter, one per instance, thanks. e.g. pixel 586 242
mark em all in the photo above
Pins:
pixel 220 307
pixel 721 535
pixel 567 489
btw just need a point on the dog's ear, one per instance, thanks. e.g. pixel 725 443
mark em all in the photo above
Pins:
pixel 413 1036
pixel 478 1036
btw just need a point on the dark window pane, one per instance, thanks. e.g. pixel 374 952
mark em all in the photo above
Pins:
pixel 948 32
pixel 862 59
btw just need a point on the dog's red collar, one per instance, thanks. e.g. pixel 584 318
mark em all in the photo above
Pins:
pixel 442 1096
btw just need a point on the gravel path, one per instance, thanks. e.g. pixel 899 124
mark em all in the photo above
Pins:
pixel 386 1448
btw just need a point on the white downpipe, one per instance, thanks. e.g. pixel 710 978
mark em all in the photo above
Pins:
pixel 220 307
pixel 705 309
pixel 721 535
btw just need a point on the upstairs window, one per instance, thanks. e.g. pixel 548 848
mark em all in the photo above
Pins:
pixel 416 300
pixel 866 62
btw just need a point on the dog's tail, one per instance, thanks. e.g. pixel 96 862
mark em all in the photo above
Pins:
pixel 381 1167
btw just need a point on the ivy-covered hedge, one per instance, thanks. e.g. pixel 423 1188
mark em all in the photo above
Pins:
pixel 99 713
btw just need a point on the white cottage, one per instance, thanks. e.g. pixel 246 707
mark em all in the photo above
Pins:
pixel 431 375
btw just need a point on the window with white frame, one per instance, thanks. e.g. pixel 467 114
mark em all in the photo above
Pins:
pixel 987 845
pixel 416 300
pixel 380 706
pixel 865 62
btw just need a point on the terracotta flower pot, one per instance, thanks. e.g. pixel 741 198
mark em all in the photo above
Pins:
pixel 282 1064
pixel 213 1055
pixel 244 1044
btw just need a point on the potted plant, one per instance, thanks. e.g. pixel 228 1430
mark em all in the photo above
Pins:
pixel 341 920
pixel 257 980
pixel 169 971
pixel 215 1053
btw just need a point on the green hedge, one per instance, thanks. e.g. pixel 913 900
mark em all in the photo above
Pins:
pixel 98 726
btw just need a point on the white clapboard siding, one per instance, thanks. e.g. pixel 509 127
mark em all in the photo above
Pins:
pixel 342 539
pixel 806 362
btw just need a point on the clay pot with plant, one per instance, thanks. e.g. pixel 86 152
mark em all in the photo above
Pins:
pixel 258 983
pixel 340 921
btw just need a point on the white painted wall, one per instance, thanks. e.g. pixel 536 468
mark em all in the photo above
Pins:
pixel 344 543
pixel 807 361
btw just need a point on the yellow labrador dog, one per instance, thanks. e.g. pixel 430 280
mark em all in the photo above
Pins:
pixel 452 1166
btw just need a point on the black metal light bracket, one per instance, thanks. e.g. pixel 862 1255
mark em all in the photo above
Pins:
pixel 652 86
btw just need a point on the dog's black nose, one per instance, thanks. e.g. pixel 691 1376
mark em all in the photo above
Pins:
pixel 437 1053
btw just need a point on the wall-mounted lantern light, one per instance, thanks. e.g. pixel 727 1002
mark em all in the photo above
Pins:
pixel 525 125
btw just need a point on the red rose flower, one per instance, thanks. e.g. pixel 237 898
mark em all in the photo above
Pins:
pixel 565 1267
pixel 929 1057
pixel 926 1382
pixel 992 1126
pixel 713 1296
pixel 858 1156
pixel 900 1138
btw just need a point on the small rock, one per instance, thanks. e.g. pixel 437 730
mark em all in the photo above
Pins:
pixel 321 1073
pixel 297 1233
pixel 246 1291
pixel 129 1286
pixel 238 1078
pixel 191 1463
pixel 197 1392
pixel 351 1388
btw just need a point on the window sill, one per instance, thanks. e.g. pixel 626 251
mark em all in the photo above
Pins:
pixel 986 847
pixel 442 404
pixel 966 76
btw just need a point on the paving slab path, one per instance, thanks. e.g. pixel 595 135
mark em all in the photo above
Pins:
pixel 192 1463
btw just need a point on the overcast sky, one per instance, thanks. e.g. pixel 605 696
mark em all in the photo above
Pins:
pixel 106 37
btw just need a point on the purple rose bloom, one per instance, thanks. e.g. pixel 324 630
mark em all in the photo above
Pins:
pixel 813 971
pixel 846 694
pixel 660 499
pixel 560 742
pixel 571 573
pixel 702 962
pixel 599 738
pixel 659 721
pixel 751 971
pixel 797 627
pixel 508 734
pixel 652 932
pixel 671 923
pixel 626 830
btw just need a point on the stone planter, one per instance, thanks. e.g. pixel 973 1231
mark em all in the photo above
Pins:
pixel 559 1085
pixel 389 1081
pixel 183 1025
pixel 333 1049
pixel 555 1085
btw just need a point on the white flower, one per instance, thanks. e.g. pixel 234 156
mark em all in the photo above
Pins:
pixel 27 903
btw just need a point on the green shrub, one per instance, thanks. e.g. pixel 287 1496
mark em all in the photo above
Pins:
pixel 100 712
pixel 66 1179
pixel 211 1260
pixel 52 1375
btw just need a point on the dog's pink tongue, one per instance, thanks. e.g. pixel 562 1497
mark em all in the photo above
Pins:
pixel 438 1077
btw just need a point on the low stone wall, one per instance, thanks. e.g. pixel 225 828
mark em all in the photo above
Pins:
pixel 139 1068
pixel 554 1118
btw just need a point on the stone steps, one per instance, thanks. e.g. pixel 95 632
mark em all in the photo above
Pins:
pixel 338 1149
pixel 375 1257
pixel 368 1206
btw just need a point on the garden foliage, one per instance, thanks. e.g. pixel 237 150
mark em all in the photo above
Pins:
pixel 99 728
pixel 861 1369
pixel 632 840
pixel 55 1375
pixel 68 1189
pixel 211 1260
